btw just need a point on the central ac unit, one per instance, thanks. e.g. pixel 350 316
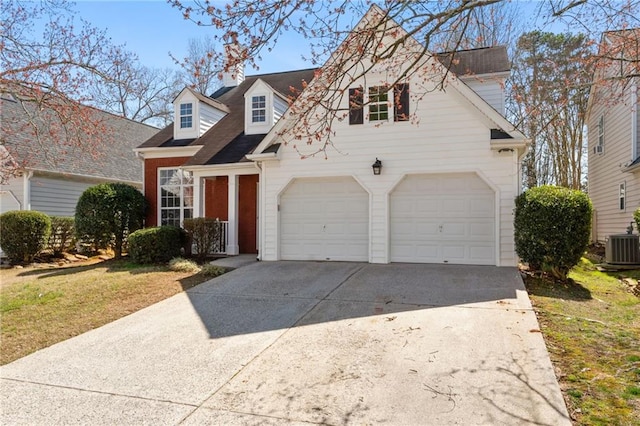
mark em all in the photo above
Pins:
pixel 623 249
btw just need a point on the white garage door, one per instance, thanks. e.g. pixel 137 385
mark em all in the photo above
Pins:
pixel 324 219
pixel 448 218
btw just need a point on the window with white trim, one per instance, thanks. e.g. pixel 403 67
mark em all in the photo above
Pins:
pixel 258 109
pixel 622 189
pixel 599 148
pixel 176 196
pixel 378 103
pixel 186 115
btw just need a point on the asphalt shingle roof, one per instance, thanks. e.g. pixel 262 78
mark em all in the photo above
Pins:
pixel 112 157
pixel 485 60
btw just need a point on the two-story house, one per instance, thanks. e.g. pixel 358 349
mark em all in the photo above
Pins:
pixel 613 138
pixel 416 173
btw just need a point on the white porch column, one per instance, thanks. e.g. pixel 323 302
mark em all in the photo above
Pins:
pixel 198 193
pixel 232 241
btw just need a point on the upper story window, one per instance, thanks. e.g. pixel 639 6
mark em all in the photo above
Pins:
pixel 258 109
pixel 379 106
pixel 186 115
pixel 599 148
pixel 378 103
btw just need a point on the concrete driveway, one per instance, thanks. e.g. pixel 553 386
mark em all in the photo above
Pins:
pixel 305 343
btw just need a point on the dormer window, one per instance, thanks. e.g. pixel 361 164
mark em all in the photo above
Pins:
pixel 258 109
pixel 186 115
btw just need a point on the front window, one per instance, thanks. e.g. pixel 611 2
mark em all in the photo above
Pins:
pixel 258 109
pixel 378 103
pixel 176 196
pixel 186 116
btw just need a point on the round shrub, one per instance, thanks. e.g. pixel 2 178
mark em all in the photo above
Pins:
pixel 62 233
pixel 552 228
pixel 23 234
pixel 107 213
pixel 156 245
pixel 636 218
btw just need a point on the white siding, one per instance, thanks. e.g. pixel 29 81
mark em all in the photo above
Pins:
pixel 449 138
pixel 209 116
pixel 12 195
pixel 606 169
pixel 491 90
pixel 279 107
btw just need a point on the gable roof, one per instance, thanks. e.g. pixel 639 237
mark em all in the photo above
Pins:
pixel 112 158
pixel 225 142
pixel 474 61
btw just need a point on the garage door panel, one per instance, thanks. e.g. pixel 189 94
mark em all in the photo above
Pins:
pixel 442 218
pixel 333 218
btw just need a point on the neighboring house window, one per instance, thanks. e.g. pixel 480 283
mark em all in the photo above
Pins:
pixel 599 148
pixel 621 195
pixel 378 103
pixel 258 109
pixel 186 116
pixel 176 196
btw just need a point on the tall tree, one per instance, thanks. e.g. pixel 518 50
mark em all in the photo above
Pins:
pixel 552 75
pixel 201 67
pixel 256 27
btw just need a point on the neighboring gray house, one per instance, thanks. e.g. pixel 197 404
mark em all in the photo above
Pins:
pixel 613 135
pixel 39 173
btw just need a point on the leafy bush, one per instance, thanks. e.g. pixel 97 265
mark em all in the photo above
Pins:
pixel 179 264
pixel 212 271
pixel 205 234
pixel 23 234
pixel 62 233
pixel 552 228
pixel 636 218
pixel 156 245
pixel 107 213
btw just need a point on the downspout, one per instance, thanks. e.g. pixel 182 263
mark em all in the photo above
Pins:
pixel 634 121
pixel 26 189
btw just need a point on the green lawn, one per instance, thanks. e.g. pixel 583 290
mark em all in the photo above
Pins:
pixel 592 330
pixel 43 306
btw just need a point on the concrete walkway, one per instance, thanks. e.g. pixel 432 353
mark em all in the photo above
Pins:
pixel 305 343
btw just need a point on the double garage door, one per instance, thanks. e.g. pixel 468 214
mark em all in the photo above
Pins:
pixel 448 218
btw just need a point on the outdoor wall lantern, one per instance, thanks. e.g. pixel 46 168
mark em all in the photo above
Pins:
pixel 377 167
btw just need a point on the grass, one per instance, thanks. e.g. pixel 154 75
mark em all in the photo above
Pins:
pixel 591 326
pixel 43 306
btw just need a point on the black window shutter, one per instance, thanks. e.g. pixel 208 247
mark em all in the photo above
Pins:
pixel 401 102
pixel 356 115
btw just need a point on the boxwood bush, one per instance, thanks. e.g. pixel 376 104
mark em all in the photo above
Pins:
pixel 61 238
pixel 552 228
pixel 156 245
pixel 23 234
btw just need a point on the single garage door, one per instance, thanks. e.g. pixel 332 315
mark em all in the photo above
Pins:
pixel 324 219
pixel 447 218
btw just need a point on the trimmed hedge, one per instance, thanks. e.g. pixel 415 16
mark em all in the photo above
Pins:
pixel 552 228
pixel 156 245
pixel 107 213
pixel 61 238
pixel 205 233
pixel 23 234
